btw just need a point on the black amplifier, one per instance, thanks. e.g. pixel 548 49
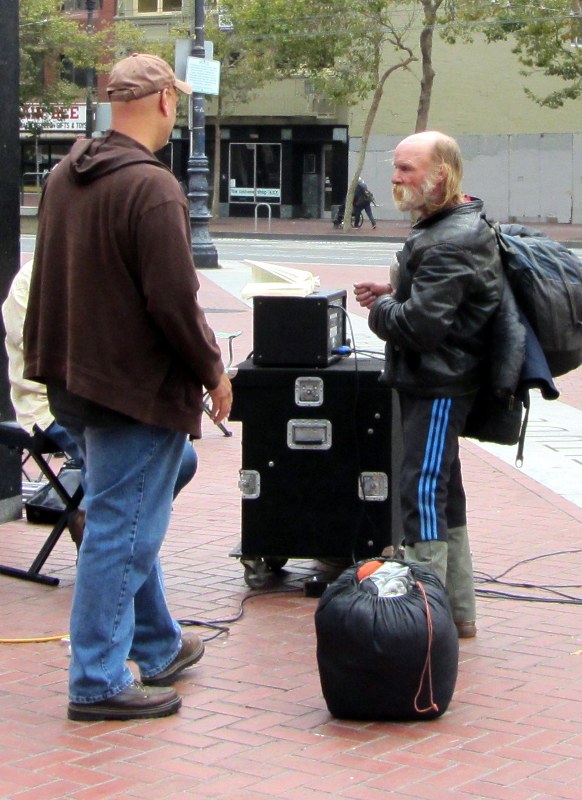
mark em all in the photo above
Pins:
pixel 299 331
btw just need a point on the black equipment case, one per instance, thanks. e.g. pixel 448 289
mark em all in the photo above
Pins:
pixel 320 453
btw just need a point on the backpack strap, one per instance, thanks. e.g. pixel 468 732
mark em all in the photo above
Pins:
pixel 521 441
pixel 502 243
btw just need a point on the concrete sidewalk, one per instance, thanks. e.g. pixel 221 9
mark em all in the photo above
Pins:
pixel 570 234
pixel 254 723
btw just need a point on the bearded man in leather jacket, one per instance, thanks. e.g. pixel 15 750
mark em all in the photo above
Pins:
pixel 434 314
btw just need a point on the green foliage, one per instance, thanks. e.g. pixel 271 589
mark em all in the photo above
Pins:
pixel 337 44
pixel 244 67
pixel 546 38
pixel 47 37
pixel 346 48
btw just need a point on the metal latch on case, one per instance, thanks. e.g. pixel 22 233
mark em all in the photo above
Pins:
pixel 373 486
pixel 309 391
pixel 249 482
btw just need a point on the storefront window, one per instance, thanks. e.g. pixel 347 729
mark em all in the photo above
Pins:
pixel 41 156
pixel 255 173
pixel 38 158
pixel 79 5
pixel 158 6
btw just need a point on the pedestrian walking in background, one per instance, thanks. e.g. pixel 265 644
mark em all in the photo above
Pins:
pixel 363 199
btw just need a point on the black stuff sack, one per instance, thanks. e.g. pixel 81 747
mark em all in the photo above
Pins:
pixel 386 652
pixel 45 506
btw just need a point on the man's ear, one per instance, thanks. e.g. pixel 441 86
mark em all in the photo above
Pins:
pixel 165 102
pixel 442 174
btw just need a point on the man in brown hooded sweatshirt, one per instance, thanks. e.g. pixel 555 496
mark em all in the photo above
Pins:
pixel 115 330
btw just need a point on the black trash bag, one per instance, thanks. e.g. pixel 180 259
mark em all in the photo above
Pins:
pixel 45 506
pixel 386 658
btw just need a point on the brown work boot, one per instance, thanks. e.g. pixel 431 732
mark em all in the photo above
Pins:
pixel 190 653
pixel 135 702
pixel 466 630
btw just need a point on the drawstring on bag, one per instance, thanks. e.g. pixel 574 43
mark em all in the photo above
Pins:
pixel 427 669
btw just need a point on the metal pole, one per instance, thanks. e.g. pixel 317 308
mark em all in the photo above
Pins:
pixel 203 249
pixel 90 110
pixel 10 481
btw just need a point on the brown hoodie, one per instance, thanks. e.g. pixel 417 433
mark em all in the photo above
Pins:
pixel 113 313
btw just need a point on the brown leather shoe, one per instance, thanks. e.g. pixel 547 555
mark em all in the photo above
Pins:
pixel 135 702
pixel 190 653
pixel 466 630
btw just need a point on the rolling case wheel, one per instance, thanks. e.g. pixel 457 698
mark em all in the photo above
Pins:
pixel 259 570
pixel 256 573
pixel 275 564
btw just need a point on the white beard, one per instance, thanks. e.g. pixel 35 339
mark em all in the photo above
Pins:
pixel 407 198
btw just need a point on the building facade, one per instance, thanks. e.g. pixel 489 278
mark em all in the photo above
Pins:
pixel 47 136
pixel 286 149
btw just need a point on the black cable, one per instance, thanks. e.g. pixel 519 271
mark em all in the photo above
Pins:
pixel 222 625
pixel 554 589
pixel 572 601
pixel 346 350
pixel 371 354
pixel 537 558
pixel 364 514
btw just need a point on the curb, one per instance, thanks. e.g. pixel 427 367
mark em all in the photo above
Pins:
pixel 310 237
pixel 331 237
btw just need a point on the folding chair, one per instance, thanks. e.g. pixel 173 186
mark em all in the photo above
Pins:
pixel 206 399
pixel 37 446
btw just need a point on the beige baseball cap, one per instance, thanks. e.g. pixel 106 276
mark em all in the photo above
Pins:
pixel 139 75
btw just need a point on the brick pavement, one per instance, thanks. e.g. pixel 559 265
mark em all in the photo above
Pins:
pixel 254 723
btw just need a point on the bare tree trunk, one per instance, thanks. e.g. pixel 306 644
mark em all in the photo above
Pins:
pixel 428 73
pixel 378 92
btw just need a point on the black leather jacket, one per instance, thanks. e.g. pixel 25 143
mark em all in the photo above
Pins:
pixel 450 285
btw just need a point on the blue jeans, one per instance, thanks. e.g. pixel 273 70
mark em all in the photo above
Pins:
pixel 188 467
pixel 64 440
pixel 119 609
pixel 188 464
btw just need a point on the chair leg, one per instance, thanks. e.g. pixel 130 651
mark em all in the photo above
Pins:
pixel 230 338
pixel 23 574
pixel 43 465
pixel 223 428
pixel 33 572
pixel 56 532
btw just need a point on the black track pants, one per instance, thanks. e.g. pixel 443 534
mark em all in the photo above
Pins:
pixel 431 484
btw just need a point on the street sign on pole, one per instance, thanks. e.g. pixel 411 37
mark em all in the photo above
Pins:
pixel 182 52
pixel 203 75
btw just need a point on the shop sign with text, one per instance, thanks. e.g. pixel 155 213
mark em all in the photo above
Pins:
pixel 58 118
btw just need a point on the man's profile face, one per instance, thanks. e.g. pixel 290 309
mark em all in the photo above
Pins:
pixel 413 179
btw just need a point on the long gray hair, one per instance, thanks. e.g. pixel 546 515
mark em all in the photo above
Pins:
pixel 447 159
